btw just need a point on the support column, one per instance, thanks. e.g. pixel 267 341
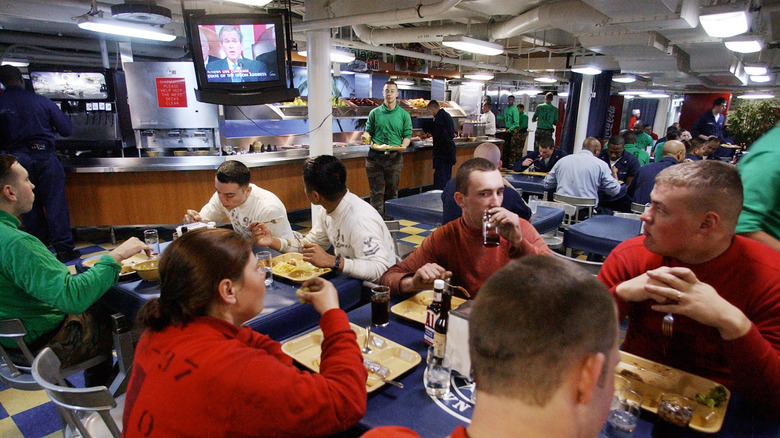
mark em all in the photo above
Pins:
pixel 320 94
pixel 583 112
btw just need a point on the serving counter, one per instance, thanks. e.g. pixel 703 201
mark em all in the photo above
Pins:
pixel 145 190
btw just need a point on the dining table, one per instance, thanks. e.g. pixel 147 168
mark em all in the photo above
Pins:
pixel 427 208
pixel 432 417
pixel 282 316
pixel 600 234
pixel 529 183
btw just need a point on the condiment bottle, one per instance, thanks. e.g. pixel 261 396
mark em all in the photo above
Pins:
pixel 440 328
pixel 433 311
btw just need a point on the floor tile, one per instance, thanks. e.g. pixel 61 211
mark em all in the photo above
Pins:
pixel 415 240
pixel 15 401
pixel 3 413
pixel 407 223
pixel 39 421
pixel 8 429
pixel 411 230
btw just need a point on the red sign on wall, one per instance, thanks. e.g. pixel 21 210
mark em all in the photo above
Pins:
pixel 171 93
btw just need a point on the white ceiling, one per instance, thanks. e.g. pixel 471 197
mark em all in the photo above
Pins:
pixel 659 40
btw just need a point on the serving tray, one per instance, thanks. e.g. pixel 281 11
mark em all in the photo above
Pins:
pixel 299 274
pixel 414 308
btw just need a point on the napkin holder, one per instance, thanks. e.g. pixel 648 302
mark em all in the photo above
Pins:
pixel 458 339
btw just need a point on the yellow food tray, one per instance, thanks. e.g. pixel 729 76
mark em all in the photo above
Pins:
pixel 651 379
pixel 414 308
pixel 542 174
pixel 398 359
pixel 298 275
pixel 127 271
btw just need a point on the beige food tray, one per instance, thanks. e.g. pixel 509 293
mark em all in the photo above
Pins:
pixel 298 275
pixel 306 350
pixel 535 173
pixel 414 308
pixel 657 379
pixel 127 264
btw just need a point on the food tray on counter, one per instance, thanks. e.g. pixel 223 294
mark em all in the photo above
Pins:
pixel 542 174
pixel 651 379
pixel 414 308
pixel 301 271
pixel 127 273
pixel 398 359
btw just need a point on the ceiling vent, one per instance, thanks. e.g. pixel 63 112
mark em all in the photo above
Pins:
pixel 141 13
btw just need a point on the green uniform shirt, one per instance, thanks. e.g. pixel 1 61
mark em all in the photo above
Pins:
pixel 644 141
pixel 511 118
pixel 658 152
pixel 761 186
pixel 523 124
pixel 546 116
pixel 389 127
pixel 640 154
pixel 36 288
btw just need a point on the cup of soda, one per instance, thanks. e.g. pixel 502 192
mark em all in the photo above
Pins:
pixel 490 235
pixel 380 305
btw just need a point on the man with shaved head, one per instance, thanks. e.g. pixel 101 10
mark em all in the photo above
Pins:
pixel 643 183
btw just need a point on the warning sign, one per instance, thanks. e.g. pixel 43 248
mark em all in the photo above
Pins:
pixel 171 93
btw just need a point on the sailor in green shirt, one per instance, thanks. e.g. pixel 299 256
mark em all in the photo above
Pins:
pixel 546 118
pixel 643 140
pixel 390 128
pixel 760 216
pixel 512 118
pixel 39 290
pixel 631 148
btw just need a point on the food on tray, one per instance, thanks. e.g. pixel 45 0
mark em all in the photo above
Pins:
pixel 359 101
pixel 713 398
pixel 675 409
pixel 418 103
pixel 631 375
pixel 291 265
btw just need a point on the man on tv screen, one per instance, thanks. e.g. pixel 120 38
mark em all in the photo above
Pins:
pixel 234 67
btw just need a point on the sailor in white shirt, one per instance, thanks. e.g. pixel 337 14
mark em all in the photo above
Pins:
pixel 243 203
pixel 362 245
pixel 488 118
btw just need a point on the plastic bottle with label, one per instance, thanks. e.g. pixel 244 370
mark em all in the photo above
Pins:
pixel 433 311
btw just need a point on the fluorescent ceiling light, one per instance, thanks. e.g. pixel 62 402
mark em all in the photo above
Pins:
pixel 724 25
pixel 634 92
pixel 755 69
pixel 757 96
pixel 529 91
pixel 655 96
pixel 628 96
pixel 760 78
pixel 585 67
pixel 479 76
pixel 473 45
pixel 257 3
pixel 745 44
pixel 16 62
pixel 404 82
pixel 563 94
pixel 546 80
pixel 624 79
pixel 134 30
pixel 473 83
pixel 340 56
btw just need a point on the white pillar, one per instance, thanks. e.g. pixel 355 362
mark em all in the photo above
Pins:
pixel 320 94
pixel 583 112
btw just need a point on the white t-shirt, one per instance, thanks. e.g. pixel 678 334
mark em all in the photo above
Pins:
pixel 260 206
pixel 357 233
pixel 489 119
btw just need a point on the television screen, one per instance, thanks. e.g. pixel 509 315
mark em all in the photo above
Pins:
pixel 238 52
pixel 70 85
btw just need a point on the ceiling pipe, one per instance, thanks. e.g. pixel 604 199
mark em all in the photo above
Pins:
pixel 376 36
pixel 396 16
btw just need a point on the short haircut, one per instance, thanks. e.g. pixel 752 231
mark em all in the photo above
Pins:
pixel 546 144
pixel 229 28
pixel 521 106
pixel 548 97
pixel 433 104
pixel 719 101
pixel 620 140
pixel 592 144
pixel 464 172
pixel 628 138
pixel 524 336
pixel 233 171
pixel 672 135
pixel 6 161
pixel 671 128
pixel 697 142
pixel 488 151
pixel 10 75
pixel 191 269
pixel 510 97
pixel 714 186
pixel 391 83
pixel 326 175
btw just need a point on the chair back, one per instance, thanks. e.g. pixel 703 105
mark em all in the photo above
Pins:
pixel 627 215
pixel 46 372
pixel 16 375
pixel 592 267
pixel 638 208
pixel 401 250
pixel 581 203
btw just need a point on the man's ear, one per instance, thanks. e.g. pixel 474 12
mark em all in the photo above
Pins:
pixel 227 291
pixel 8 192
pixel 459 199
pixel 588 377
pixel 710 221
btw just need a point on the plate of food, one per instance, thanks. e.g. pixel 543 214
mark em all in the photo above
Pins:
pixel 126 273
pixel 387 359
pixel 292 267
pixel 653 380
pixel 414 308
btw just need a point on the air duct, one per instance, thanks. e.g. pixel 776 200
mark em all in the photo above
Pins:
pixel 396 16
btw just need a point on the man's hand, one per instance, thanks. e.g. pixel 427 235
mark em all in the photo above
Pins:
pixel 527 162
pixel 680 292
pixel 508 225
pixel 317 256
pixel 320 293
pixel 129 248
pixel 263 237
pixel 614 172
pixel 635 289
pixel 192 216
pixel 424 277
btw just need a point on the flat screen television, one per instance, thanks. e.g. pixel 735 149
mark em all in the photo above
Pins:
pixel 239 54
pixel 72 85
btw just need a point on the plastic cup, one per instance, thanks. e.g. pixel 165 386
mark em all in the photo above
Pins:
pixel 623 415
pixel 490 237
pixel 152 239
pixel 264 261
pixel 436 377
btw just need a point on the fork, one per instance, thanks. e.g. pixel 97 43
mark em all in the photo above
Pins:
pixel 666 324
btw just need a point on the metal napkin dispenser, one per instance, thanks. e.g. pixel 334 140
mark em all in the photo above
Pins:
pixel 458 339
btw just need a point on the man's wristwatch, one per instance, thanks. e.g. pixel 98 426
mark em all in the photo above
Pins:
pixel 337 265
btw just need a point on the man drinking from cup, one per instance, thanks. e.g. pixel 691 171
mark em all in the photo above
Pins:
pixel 456 250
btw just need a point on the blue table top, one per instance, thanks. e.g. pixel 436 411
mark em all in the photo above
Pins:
pixel 529 183
pixel 433 418
pixel 600 234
